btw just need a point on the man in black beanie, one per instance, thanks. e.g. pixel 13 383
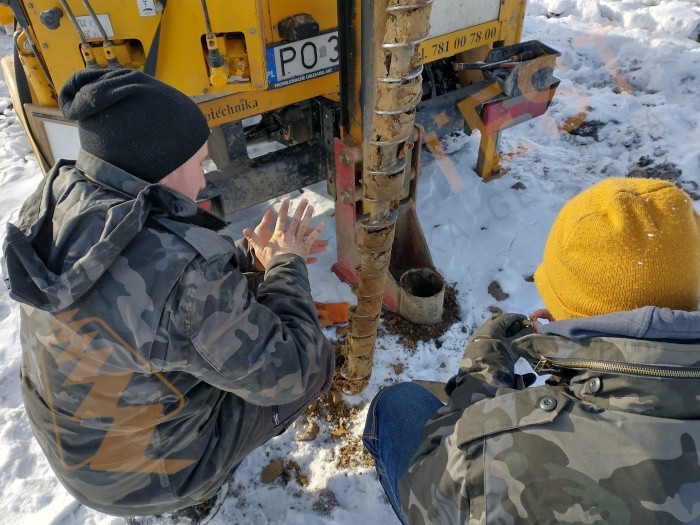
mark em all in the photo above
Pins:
pixel 133 121
pixel 149 370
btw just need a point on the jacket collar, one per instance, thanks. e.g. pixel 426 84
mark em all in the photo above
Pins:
pixel 167 201
pixel 50 287
pixel 108 175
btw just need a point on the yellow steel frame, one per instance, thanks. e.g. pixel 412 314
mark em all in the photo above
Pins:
pixel 5 16
pixel 242 105
pixel 447 45
pixel 8 69
pixel 182 59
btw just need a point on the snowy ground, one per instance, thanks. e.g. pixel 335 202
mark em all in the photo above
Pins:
pixel 630 68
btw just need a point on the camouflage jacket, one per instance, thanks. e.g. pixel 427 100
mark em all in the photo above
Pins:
pixel 145 357
pixel 611 439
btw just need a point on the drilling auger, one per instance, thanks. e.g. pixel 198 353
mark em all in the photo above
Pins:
pixel 399 26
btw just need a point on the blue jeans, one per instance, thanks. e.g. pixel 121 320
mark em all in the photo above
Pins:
pixel 393 432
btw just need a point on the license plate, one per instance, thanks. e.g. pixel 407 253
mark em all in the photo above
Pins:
pixel 294 62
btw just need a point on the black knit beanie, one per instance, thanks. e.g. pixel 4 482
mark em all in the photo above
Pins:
pixel 133 121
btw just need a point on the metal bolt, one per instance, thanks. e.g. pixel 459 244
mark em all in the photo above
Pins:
pixel 252 30
pixel 345 197
pixel 593 385
pixel 30 6
pixel 205 90
pixel 260 86
pixel 548 403
pixel 44 45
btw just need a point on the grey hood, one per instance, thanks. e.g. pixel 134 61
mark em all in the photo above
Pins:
pixel 650 323
pixel 52 258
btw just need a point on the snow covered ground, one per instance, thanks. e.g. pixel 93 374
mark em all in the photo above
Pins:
pixel 629 68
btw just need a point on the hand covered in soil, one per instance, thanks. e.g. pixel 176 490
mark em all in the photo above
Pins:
pixel 296 238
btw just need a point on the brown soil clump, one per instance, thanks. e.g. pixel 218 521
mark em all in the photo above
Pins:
pixel 497 292
pixel 309 432
pixel 337 413
pixel 354 454
pixel 278 469
pixel 411 333
pixel 272 471
pixel 294 467
pixel 341 418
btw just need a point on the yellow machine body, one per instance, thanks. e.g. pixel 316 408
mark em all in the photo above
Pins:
pixel 244 35
pixel 294 93
pixel 6 16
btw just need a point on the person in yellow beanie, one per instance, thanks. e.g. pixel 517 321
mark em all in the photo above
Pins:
pixel 613 435
pixel 623 244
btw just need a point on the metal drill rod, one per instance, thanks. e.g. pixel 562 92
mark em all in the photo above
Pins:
pixel 205 10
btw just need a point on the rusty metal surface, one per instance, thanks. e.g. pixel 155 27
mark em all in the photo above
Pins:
pixel 422 296
pixel 375 239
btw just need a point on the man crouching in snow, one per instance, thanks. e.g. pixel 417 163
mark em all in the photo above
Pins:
pixel 149 370
pixel 613 436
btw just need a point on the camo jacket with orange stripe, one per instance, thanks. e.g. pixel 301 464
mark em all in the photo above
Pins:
pixel 145 356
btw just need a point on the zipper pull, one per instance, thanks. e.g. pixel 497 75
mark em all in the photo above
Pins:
pixel 542 364
pixel 276 414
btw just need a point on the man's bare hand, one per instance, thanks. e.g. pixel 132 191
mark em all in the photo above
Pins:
pixel 263 231
pixel 542 313
pixel 297 238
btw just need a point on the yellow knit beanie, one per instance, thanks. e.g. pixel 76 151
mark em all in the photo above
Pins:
pixel 623 244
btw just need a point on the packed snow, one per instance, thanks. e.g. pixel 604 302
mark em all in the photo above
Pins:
pixel 629 70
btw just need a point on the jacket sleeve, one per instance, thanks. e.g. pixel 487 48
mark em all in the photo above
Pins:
pixel 486 366
pixel 247 260
pixel 246 257
pixel 436 488
pixel 441 476
pixel 267 351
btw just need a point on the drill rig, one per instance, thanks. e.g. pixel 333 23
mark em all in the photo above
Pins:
pixel 346 93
